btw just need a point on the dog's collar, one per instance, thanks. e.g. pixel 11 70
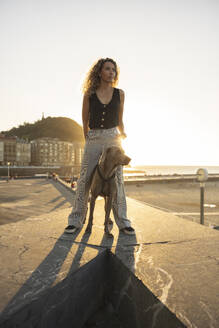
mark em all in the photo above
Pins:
pixel 101 175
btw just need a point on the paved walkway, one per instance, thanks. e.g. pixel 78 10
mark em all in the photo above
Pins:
pixel 176 259
pixel 180 198
pixel 22 199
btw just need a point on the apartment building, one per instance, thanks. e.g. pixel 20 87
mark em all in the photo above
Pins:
pixel 14 151
pixel 52 151
pixel 1 151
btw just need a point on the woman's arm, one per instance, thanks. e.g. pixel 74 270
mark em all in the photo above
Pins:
pixel 85 115
pixel 121 109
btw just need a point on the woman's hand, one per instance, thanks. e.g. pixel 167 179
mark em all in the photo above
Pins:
pixel 123 135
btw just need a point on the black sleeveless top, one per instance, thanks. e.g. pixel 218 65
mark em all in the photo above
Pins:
pixel 104 116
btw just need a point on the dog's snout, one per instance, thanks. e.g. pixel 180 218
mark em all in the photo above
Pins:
pixel 127 160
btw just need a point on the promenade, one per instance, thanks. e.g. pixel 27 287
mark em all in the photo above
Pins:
pixel 179 197
pixel 177 260
pixel 22 199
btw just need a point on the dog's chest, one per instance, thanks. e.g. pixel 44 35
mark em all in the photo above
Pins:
pixel 108 189
pixel 105 190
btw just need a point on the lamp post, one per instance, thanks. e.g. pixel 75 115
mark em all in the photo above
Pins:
pixel 8 169
pixel 202 176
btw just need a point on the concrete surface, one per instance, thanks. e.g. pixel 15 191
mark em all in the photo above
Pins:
pixel 103 293
pixel 177 260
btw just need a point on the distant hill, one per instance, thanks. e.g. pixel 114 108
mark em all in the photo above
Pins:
pixel 63 128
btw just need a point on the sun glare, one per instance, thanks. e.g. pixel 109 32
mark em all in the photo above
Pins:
pixel 133 150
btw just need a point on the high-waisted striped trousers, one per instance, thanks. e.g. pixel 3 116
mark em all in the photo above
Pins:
pixel 96 141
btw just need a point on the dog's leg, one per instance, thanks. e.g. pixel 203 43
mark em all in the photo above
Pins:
pixel 105 208
pixel 90 221
pixel 108 206
pixel 85 216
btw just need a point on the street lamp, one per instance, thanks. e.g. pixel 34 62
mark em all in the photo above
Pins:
pixel 202 177
pixel 8 169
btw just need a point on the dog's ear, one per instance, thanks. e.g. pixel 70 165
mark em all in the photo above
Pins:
pixel 120 151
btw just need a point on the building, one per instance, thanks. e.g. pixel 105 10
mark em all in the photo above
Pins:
pixel 23 153
pixel 14 151
pixel 53 152
pixel 1 150
pixel 79 152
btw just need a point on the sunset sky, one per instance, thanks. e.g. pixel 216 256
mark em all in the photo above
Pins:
pixel 168 54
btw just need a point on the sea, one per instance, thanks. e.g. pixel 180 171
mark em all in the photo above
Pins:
pixel 171 170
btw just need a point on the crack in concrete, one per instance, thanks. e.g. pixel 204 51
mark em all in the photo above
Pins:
pixel 125 247
pixel 129 245
pixel 20 268
pixel 25 249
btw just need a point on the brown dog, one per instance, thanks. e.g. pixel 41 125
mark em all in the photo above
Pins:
pixel 104 183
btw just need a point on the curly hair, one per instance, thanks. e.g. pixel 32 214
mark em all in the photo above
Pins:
pixel 92 80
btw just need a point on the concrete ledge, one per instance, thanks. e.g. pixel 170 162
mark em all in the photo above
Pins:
pixel 176 260
pixel 73 301
pixel 69 304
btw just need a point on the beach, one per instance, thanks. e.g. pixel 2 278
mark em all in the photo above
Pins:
pixel 180 198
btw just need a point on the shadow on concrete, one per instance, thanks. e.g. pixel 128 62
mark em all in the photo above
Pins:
pixel 66 193
pixel 42 278
pixel 78 255
pixel 106 243
pixel 79 300
pixel 59 205
pixel 54 199
pixel 125 250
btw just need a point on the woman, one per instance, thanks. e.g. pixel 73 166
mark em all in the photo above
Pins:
pixel 102 115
